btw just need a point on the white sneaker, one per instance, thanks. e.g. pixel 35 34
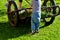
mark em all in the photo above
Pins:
pixel 33 32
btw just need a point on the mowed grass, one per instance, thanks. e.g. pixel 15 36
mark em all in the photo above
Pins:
pixel 51 32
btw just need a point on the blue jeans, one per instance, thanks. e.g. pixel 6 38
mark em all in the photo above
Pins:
pixel 35 21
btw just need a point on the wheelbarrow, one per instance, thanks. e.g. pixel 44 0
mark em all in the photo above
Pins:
pixel 21 15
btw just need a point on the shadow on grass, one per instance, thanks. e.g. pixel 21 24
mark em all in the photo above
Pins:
pixel 43 26
pixel 7 32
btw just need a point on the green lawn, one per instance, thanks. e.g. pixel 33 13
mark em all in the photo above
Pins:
pixel 51 32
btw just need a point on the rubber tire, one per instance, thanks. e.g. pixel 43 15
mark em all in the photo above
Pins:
pixel 54 12
pixel 9 12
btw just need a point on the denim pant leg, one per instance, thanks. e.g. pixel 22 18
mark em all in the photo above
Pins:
pixel 37 20
pixel 37 24
pixel 32 25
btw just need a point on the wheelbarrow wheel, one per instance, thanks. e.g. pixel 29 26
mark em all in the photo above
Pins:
pixel 52 2
pixel 12 16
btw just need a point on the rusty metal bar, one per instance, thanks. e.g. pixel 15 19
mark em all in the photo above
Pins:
pixel 43 7
pixel 50 16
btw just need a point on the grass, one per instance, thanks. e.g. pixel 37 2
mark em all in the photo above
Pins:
pixel 51 32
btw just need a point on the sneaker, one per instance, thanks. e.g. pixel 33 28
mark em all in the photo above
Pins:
pixel 33 32
pixel 36 31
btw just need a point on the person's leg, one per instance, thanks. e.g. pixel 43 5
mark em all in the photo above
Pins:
pixel 37 21
pixel 37 25
pixel 32 26
pixel 20 3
